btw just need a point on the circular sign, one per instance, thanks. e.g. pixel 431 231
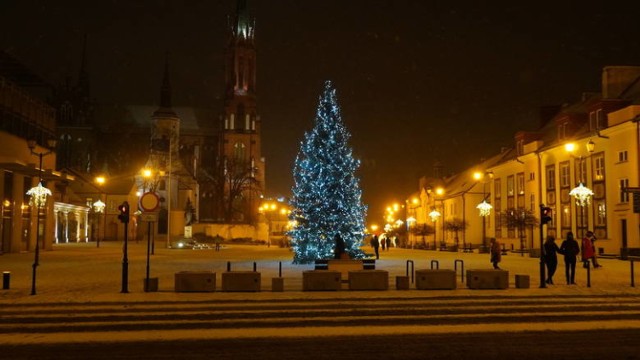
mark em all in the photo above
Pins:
pixel 149 202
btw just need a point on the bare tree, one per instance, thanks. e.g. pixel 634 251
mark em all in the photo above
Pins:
pixel 423 230
pixel 519 220
pixel 455 225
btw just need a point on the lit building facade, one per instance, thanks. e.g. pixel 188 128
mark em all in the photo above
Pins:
pixel 541 169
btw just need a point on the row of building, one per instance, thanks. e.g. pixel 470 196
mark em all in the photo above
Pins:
pixel 581 167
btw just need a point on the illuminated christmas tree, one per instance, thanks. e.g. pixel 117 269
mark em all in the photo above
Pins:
pixel 326 194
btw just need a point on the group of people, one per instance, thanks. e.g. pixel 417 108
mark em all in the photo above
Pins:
pixel 377 242
pixel 570 249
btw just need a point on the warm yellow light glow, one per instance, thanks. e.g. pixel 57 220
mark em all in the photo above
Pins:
pixel 100 180
pixel 434 215
pixel 477 175
pixel 39 195
pixel 485 208
pixel 98 206
pixel 147 173
pixel 570 147
pixel 374 227
pixel 439 191
pixel 415 201
pixel 582 194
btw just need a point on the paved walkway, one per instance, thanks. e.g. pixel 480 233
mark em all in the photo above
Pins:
pixel 82 272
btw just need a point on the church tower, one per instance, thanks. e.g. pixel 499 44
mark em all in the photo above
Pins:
pixel 169 178
pixel 241 143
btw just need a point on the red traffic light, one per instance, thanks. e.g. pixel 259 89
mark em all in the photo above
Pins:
pixel 124 212
pixel 546 214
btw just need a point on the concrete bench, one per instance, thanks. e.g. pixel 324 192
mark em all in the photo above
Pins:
pixel 321 280
pixel 241 281
pixel 487 279
pixel 195 281
pixel 522 281
pixel 368 280
pixel 435 279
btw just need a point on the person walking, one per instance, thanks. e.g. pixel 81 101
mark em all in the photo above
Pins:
pixel 594 259
pixel 376 245
pixel 570 249
pixel 496 253
pixel 388 241
pixel 586 250
pixel 551 258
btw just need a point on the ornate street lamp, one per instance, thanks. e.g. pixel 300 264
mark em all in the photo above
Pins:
pixel 98 208
pixel 434 215
pixel 582 194
pixel 38 196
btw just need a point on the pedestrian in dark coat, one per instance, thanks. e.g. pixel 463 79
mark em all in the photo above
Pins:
pixel 376 245
pixel 570 249
pixel 496 253
pixel 388 241
pixel 550 257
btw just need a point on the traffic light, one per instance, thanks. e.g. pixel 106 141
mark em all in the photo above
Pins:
pixel 124 212
pixel 545 214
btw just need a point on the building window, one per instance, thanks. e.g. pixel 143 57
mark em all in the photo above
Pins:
pixel 510 186
pixel 497 191
pixel 622 156
pixel 520 147
pixel 239 151
pixel 598 167
pixel 520 184
pixel 551 177
pixel 565 176
pixel 624 196
pixel 566 216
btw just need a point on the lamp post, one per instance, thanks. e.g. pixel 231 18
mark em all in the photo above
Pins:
pixel 38 196
pixel 98 208
pixel 484 207
pixel 434 215
pixel 581 193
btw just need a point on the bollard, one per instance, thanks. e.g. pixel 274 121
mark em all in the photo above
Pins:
pixel 6 280
pixel 254 267
pixel 228 265
pixel 435 262
pixel 412 269
pixel 280 269
pixel 633 283
pixel 588 276
pixel 455 267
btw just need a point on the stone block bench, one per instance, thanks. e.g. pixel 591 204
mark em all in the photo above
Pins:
pixel 195 281
pixel 435 279
pixel 368 280
pixel 241 281
pixel 487 279
pixel 321 280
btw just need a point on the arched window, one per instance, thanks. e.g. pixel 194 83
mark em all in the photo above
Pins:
pixel 239 151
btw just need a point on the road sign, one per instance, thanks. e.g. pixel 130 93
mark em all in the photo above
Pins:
pixel 149 202
pixel 149 217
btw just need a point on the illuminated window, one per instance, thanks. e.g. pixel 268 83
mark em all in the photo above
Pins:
pixel 598 167
pixel 551 177
pixel 624 196
pixel 565 177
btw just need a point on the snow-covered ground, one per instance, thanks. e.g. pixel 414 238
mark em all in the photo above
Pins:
pixel 84 273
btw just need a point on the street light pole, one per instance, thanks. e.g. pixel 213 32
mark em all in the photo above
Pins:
pixel 40 200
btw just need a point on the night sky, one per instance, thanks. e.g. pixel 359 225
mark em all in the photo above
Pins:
pixel 417 81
